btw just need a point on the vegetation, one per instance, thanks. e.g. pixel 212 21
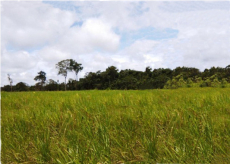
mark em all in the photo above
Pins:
pixel 187 125
pixel 42 78
pixel 114 79
pixel 11 81
pixel 68 65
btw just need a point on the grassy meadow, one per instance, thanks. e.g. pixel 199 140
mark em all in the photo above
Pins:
pixel 148 126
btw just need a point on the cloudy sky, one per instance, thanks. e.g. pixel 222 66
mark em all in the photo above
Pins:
pixel 37 35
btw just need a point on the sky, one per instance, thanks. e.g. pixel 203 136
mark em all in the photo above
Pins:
pixel 36 35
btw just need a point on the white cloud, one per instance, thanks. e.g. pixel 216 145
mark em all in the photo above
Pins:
pixel 17 64
pixel 203 39
pixel 17 61
pixel 29 24
pixel 206 49
pixel 100 34
pixel 52 54
pixel 93 34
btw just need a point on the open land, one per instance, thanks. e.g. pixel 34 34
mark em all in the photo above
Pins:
pixel 185 125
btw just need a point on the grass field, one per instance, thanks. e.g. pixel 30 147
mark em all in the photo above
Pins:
pixel 150 126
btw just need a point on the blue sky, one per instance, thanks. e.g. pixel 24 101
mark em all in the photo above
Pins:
pixel 98 34
pixel 146 33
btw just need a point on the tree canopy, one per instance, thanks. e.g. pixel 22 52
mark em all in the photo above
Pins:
pixel 112 78
pixel 76 67
pixel 66 66
pixel 41 77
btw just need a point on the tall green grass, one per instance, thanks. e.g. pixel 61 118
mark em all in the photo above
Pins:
pixel 151 126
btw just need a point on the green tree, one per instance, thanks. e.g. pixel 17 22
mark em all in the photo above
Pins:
pixel 168 84
pixel 224 83
pixel 206 83
pixel 214 80
pixel 148 71
pixel 41 77
pixel 71 85
pixel 67 65
pixel 76 67
pixel 180 80
pixel 227 72
pixel 10 80
pixel 176 82
pixel 63 68
pixel 6 88
pixel 21 86
pixel 51 85
pixel 189 82
pixel 111 74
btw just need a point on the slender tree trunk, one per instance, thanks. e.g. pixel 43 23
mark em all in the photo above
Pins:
pixel 43 83
pixel 65 83
pixel 11 87
pixel 41 86
pixel 76 82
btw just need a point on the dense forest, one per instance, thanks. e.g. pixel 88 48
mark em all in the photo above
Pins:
pixel 114 79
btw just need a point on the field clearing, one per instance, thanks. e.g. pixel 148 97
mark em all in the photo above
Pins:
pixel 149 126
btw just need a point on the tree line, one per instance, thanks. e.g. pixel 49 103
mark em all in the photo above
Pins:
pixel 114 79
